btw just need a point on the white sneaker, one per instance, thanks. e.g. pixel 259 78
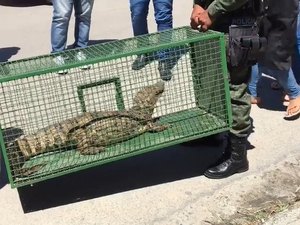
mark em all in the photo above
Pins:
pixel 80 56
pixel 59 60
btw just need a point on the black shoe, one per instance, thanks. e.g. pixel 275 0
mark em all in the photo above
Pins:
pixel 227 168
pixel 164 69
pixel 141 61
pixel 237 161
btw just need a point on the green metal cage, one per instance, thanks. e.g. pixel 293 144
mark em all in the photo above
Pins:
pixel 52 123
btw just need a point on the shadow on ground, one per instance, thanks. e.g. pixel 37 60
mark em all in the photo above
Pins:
pixel 3 174
pixel 153 168
pixel 94 42
pixel 9 135
pixel 271 99
pixel 7 53
pixel 24 3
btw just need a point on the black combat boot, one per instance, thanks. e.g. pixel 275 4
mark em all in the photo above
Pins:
pixel 236 163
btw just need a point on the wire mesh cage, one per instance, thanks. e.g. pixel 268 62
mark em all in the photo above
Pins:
pixel 62 113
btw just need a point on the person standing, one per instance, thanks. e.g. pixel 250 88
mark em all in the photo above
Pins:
pixel 296 58
pixel 224 15
pixel 279 26
pixel 164 19
pixel 62 10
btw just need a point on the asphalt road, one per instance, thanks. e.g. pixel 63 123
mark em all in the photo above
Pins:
pixel 162 187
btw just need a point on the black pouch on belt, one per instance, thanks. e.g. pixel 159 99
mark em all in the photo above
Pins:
pixel 245 45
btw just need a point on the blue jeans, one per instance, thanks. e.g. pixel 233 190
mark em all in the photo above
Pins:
pixel 285 78
pixel 296 58
pixel 162 13
pixel 62 10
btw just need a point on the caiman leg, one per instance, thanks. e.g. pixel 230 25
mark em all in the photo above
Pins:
pixel 83 145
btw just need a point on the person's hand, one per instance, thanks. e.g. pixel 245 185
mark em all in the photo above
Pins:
pixel 197 10
pixel 200 17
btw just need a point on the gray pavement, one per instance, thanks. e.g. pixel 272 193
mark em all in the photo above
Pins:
pixel 163 187
pixel 292 216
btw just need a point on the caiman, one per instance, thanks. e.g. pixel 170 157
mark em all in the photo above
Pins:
pixel 91 132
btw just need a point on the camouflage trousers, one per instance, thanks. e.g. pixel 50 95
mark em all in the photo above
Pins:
pixel 240 101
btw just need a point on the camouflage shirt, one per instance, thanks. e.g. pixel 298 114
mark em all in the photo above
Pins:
pixel 228 12
pixel 217 7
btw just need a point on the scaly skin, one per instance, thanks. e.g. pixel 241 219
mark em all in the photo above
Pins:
pixel 91 132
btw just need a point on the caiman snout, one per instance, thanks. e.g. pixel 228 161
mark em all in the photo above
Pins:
pixel 145 100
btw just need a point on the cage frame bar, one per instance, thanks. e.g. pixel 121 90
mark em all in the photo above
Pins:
pixel 142 50
pixel 116 81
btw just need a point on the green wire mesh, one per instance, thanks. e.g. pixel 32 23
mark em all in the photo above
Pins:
pixel 54 124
